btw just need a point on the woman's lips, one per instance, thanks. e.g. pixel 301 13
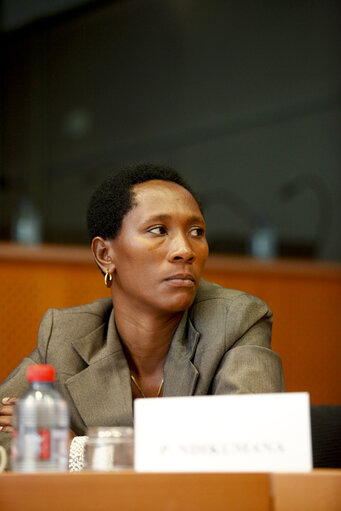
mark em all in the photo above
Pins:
pixel 181 280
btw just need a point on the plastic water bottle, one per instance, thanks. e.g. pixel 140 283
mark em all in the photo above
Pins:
pixel 27 227
pixel 40 438
pixel 264 242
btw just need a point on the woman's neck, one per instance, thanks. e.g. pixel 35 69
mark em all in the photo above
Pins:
pixel 146 340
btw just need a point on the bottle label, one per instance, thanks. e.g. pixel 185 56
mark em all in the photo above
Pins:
pixel 45 444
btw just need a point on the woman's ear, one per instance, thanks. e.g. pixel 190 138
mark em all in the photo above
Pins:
pixel 103 253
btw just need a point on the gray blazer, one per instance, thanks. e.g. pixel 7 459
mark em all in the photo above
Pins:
pixel 221 346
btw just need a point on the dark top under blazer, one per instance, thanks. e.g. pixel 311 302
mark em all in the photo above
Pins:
pixel 221 346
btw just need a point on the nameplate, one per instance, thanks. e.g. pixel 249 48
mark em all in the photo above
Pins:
pixel 235 433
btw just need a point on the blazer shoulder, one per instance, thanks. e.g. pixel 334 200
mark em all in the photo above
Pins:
pixel 98 308
pixel 215 305
pixel 77 321
pixel 208 291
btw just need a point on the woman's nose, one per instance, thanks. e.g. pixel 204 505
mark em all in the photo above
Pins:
pixel 181 250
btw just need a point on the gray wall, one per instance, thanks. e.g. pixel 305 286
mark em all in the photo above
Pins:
pixel 240 96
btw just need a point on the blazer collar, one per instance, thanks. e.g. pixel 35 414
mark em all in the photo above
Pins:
pixel 100 343
pixel 102 391
pixel 180 374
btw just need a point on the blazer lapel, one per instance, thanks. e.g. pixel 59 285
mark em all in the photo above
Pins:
pixel 102 391
pixel 180 374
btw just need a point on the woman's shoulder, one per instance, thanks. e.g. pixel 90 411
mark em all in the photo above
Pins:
pixel 77 318
pixel 216 306
pixel 211 296
pixel 211 291
pixel 99 307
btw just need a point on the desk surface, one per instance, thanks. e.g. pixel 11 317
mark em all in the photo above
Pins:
pixel 88 491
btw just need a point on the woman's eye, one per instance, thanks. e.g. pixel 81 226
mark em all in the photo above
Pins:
pixel 158 229
pixel 197 232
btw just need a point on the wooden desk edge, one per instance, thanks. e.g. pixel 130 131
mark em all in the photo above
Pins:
pixel 181 491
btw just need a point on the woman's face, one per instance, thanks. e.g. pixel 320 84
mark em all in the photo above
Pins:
pixel 160 252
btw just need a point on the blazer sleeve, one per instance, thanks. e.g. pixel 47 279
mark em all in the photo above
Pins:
pixel 248 364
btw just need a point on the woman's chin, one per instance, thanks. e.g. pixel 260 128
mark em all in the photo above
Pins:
pixel 179 303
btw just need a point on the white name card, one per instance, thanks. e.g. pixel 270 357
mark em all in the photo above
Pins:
pixel 235 433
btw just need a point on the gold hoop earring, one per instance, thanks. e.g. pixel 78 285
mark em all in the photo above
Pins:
pixel 108 278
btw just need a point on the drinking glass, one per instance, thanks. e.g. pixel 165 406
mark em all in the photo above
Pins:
pixel 109 448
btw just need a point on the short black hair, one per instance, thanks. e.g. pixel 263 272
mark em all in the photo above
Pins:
pixel 114 198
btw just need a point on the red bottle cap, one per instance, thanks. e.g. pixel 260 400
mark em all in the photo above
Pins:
pixel 41 372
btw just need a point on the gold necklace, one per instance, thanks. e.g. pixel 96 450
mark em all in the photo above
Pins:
pixel 133 379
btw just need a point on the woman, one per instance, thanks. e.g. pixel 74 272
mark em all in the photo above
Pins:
pixel 165 332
